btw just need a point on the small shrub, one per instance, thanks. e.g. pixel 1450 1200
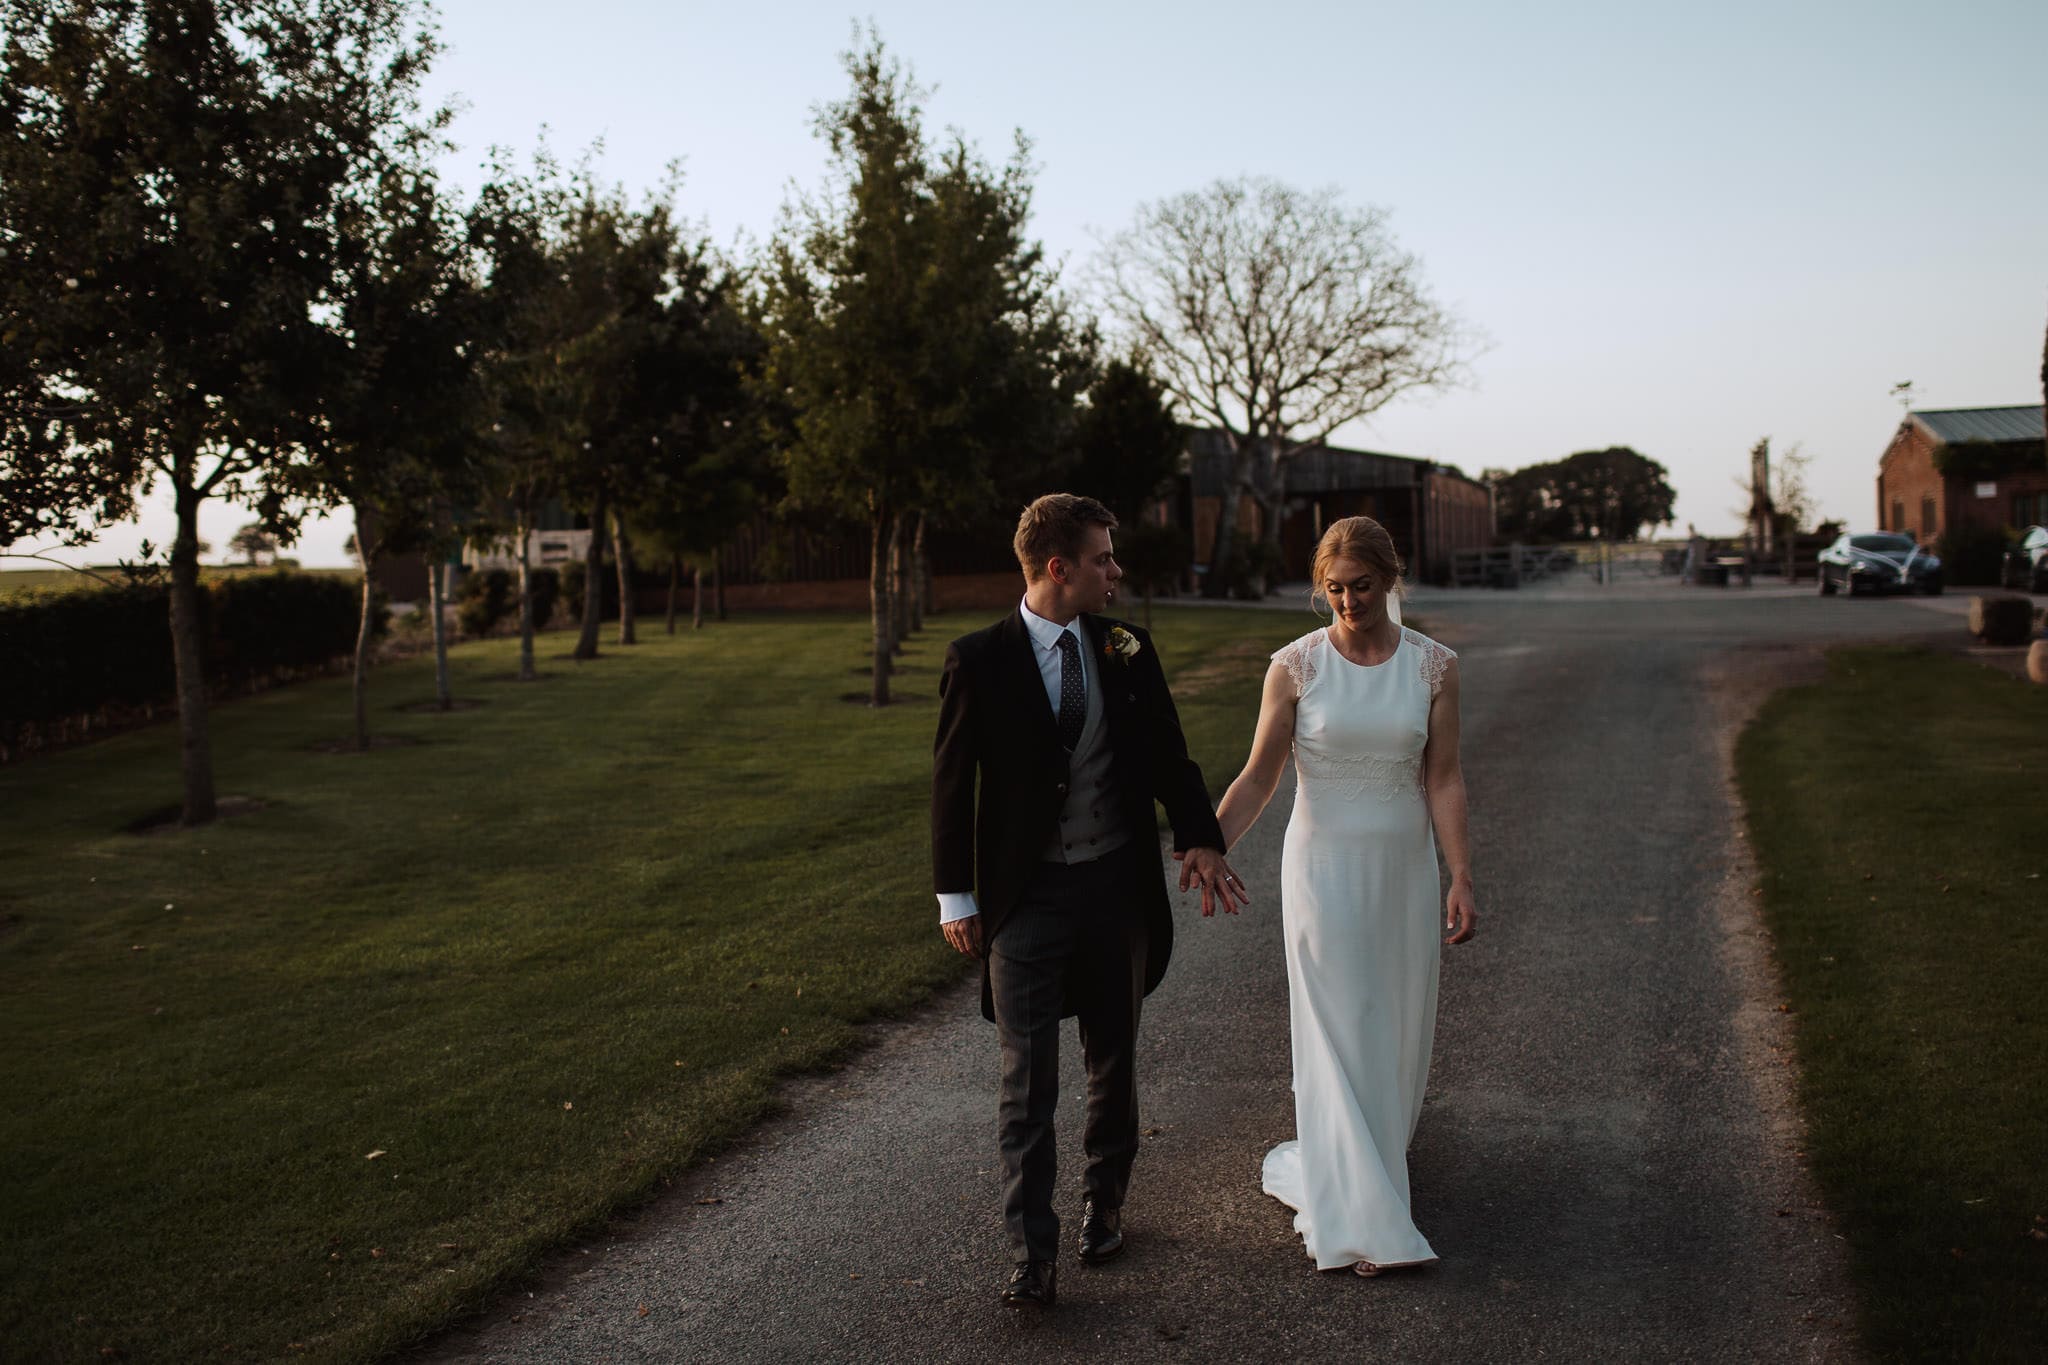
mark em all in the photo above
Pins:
pixel 1251 567
pixel 572 588
pixel 1971 556
pixel 483 600
pixel 545 586
pixel 2002 620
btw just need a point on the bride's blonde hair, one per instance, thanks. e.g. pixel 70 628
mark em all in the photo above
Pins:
pixel 1359 538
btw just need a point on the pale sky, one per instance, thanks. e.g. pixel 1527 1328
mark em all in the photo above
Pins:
pixel 1682 227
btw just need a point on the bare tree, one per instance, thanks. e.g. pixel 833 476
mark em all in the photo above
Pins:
pixel 1277 315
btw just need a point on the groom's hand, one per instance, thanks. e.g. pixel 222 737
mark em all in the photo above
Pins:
pixel 964 934
pixel 1206 868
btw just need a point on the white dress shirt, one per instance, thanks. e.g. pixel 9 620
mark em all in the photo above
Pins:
pixel 1045 640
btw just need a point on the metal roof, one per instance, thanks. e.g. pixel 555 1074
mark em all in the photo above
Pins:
pixel 1950 425
pixel 1321 469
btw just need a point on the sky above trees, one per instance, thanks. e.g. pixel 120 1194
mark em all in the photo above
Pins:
pixel 1681 228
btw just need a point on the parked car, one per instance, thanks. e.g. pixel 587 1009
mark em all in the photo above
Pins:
pixel 1878 561
pixel 2026 565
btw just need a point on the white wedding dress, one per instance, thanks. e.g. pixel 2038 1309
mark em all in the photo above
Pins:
pixel 1360 907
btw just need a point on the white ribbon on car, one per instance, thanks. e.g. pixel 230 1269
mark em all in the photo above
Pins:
pixel 1898 565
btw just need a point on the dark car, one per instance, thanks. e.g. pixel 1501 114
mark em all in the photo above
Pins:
pixel 1878 561
pixel 2026 565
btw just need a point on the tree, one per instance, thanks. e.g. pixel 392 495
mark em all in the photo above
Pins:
pixel 172 175
pixel 1791 495
pixel 617 266
pixel 708 469
pixel 914 338
pixel 1278 316
pixel 395 437
pixel 1127 445
pixel 1606 494
pixel 1525 506
pixel 530 409
pixel 253 544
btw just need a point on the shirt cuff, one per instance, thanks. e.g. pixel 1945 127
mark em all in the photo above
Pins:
pixel 956 905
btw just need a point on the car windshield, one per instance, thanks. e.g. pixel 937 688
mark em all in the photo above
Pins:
pixel 1901 544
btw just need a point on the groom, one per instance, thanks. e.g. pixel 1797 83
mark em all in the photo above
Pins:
pixel 1052 878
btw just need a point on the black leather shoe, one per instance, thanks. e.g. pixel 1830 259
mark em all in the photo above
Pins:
pixel 1102 1232
pixel 1032 1285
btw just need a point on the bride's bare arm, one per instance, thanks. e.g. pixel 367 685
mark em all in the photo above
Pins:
pixel 1271 744
pixel 1444 779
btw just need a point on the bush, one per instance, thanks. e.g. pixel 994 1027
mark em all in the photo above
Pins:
pixel 2002 620
pixel 545 586
pixel 572 590
pixel 269 624
pixel 1251 567
pixel 85 654
pixel 1971 555
pixel 483 599
pixel 1154 557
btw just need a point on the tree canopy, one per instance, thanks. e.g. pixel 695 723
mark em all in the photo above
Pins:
pixel 914 339
pixel 176 179
pixel 1609 494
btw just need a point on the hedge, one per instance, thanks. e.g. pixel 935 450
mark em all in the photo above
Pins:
pixel 77 660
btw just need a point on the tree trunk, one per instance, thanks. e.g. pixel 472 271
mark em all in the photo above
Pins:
pixel 920 578
pixel 696 597
pixel 675 571
pixel 359 681
pixel 188 653
pixel 593 581
pixel 899 581
pixel 527 672
pixel 718 582
pixel 880 524
pixel 623 552
pixel 437 599
pixel 1243 451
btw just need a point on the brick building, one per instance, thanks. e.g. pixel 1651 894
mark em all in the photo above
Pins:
pixel 1963 469
pixel 1429 509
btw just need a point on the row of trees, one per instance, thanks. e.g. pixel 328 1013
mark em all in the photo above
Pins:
pixel 227 263
pixel 230 265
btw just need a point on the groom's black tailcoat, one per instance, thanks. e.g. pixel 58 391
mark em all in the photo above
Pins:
pixel 997 725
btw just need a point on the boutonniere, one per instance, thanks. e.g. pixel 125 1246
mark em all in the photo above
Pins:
pixel 1121 644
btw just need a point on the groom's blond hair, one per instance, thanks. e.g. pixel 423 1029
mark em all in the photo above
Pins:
pixel 1056 524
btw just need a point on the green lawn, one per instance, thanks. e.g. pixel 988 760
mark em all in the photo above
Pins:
pixel 554 951
pixel 1899 811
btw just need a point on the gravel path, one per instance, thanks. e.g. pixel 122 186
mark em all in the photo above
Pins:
pixel 1608 1157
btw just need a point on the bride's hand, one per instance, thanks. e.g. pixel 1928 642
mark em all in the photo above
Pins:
pixel 1461 913
pixel 1206 868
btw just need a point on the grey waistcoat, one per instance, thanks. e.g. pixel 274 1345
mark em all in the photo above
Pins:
pixel 1090 824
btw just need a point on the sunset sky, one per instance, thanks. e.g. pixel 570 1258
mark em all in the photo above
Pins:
pixel 1680 228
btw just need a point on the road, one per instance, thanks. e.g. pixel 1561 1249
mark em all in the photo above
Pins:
pixel 1608 1160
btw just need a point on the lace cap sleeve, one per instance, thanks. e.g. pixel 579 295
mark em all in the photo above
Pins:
pixel 1436 659
pixel 1298 657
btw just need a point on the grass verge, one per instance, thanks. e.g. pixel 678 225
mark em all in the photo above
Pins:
pixel 554 950
pixel 1897 811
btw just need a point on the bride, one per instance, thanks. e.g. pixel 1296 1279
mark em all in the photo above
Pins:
pixel 1369 709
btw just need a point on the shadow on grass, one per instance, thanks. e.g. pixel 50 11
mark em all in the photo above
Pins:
pixel 166 819
pixel 341 748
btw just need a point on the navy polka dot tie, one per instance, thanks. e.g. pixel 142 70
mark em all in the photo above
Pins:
pixel 1073 692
